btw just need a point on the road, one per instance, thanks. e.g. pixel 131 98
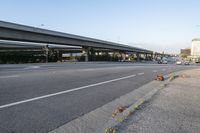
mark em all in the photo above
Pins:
pixel 41 97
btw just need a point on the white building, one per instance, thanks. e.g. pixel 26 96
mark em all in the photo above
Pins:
pixel 195 50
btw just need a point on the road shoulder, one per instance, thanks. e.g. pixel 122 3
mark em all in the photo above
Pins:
pixel 174 109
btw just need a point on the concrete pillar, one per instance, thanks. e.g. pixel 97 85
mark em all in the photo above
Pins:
pixel 123 56
pixel 86 53
pixel 148 57
pixel 138 56
pixel 46 49
pixel 59 55
pixel 114 56
pixel 156 57
pixel 151 57
pixel 91 54
pixel 110 56
pixel 145 56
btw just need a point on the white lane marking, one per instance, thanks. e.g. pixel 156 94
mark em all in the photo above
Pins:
pixel 11 76
pixel 140 73
pixel 155 71
pixel 63 92
pixel 32 67
pixel 88 69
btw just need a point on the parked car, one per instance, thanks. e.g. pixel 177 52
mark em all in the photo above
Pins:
pixel 164 62
pixel 178 62
pixel 186 63
pixel 159 61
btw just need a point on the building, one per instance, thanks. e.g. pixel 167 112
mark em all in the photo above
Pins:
pixel 195 51
pixel 185 52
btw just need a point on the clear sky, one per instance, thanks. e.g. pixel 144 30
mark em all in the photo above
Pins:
pixel 159 25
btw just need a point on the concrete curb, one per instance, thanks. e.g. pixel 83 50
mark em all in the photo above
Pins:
pixel 100 120
pixel 114 124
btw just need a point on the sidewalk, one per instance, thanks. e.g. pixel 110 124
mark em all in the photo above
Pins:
pixel 175 109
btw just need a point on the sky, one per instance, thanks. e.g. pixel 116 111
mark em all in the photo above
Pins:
pixel 158 25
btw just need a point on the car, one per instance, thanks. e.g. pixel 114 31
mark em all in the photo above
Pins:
pixel 178 62
pixel 159 62
pixel 164 62
pixel 186 63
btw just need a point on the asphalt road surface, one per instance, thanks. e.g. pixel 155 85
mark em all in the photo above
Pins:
pixel 41 97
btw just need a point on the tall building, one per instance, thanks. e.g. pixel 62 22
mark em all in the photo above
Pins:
pixel 195 50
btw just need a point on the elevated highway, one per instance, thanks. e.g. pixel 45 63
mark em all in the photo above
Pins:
pixel 17 32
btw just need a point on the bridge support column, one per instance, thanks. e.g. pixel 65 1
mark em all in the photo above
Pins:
pixel 85 53
pixel 123 56
pixel 59 55
pixel 156 57
pixel 145 57
pixel 89 53
pixel 148 57
pixel 138 56
pixel 151 57
pixel 46 49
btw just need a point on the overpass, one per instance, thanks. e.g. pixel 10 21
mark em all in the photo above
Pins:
pixel 17 32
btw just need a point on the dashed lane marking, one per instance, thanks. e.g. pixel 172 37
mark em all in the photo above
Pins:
pixel 155 71
pixel 11 76
pixel 32 67
pixel 140 74
pixel 64 92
